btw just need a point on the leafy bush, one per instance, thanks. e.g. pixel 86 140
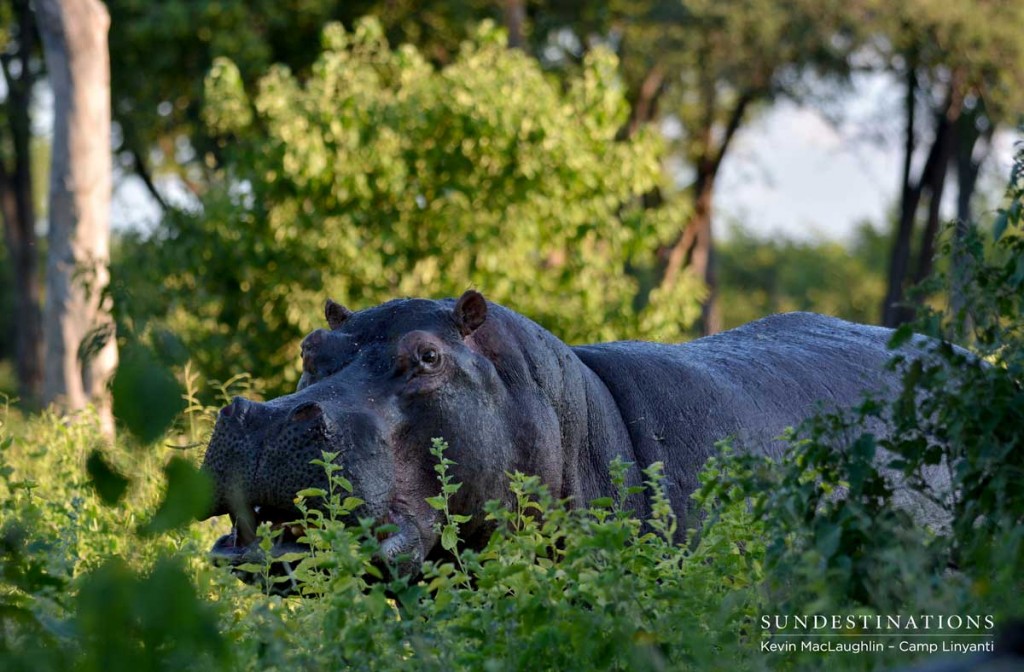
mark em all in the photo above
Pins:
pixel 380 176
pixel 564 588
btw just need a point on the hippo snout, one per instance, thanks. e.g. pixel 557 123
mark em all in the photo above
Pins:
pixel 261 454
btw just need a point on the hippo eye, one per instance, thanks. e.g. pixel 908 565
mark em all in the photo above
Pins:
pixel 429 357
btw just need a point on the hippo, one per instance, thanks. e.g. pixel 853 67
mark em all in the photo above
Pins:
pixel 378 385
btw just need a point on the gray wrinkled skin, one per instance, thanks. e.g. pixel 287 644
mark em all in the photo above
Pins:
pixel 508 396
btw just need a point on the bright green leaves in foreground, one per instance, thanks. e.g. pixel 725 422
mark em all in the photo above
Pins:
pixel 156 621
pixel 379 176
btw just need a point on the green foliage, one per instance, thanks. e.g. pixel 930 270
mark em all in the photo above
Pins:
pixel 583 588
pixel 189 495
pixel 83 586
pixel 78 590
pixel 380 176
pixel 164 49
pixel 110 485
pixel 147 397
pixel 761 276
pixel 973 44
pixel 840 536
pixel 155 621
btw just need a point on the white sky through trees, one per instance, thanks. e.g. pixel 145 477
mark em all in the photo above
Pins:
pixel 791 171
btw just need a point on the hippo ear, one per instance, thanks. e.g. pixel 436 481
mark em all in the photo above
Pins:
pixel 336 314
pixel 470 312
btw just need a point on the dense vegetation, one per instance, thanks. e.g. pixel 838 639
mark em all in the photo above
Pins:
pixel 100 572
pixel 416 153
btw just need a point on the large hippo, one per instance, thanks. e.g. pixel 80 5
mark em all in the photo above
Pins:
pixel 509 396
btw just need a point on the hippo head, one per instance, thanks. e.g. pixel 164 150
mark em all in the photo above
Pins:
pixel 376 388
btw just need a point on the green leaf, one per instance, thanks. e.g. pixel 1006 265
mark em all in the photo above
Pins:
pixel 903 334
pixel 449 538
pixel 351 503
pixel 828 541
pixel 110 485
pixel 311 492
pixel 999 226
pixel 438 503
pixel 147 397
pixel 250 567
pixel 289 557
pixel 189 495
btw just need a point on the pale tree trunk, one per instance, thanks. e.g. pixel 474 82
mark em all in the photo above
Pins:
pixel 81 350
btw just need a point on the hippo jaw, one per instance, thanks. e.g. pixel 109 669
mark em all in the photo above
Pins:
pixel 400 551
pixel 261 454
pixel 241 545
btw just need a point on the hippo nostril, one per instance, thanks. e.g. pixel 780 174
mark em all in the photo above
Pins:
pixel 236 409
pixel 308 411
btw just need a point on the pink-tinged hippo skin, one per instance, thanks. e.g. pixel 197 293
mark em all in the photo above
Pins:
pixel 508 396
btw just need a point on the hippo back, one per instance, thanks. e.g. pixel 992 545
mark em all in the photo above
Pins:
pixel 748 384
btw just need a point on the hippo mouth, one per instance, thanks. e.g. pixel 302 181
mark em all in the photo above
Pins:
pixel 399 551
pixel 241 545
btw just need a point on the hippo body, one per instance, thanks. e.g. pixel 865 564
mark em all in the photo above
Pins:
pixel 509 396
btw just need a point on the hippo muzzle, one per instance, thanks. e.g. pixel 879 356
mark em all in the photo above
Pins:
pixel 260 455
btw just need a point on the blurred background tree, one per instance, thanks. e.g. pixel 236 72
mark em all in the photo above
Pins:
pixel 961 65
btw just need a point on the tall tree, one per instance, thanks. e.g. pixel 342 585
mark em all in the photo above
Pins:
pixel 963 68
pixel 21 69
pixel 710 65
pixel 81 349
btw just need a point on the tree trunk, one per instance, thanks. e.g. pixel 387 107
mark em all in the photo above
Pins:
pixel 945 140
pixel 18 210
pixel 936 187
pixel 81 349
pixel 695 244
pixel 695 249
pixel 515 22
pixel 645 106
pixel 702 259
pixel 967 168
pixel 894 313
pixel 909 197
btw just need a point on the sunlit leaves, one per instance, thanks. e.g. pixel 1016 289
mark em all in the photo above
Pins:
pixel 379 176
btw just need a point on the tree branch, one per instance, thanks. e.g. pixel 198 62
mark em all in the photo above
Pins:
pixel 643 109
pixel 733 125
pixel 147 179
